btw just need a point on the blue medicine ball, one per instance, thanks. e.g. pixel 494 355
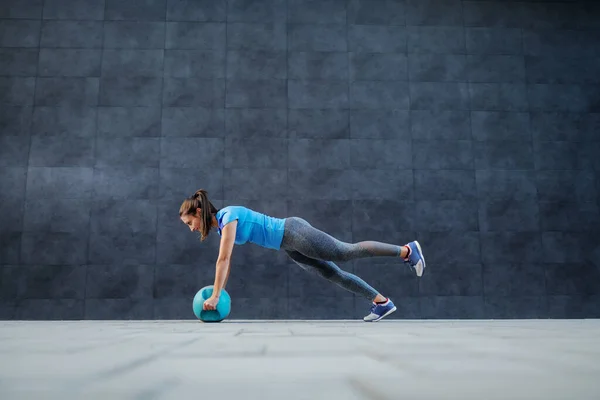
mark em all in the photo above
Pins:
pixel 218 315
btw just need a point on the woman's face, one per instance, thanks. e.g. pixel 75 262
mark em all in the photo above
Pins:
pixel 193 221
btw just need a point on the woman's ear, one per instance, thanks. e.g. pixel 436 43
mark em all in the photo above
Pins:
pixel 198 212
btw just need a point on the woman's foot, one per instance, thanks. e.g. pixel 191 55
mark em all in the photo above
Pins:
pixel 415 257
pixel 380 310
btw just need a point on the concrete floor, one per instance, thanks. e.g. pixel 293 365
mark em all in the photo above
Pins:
pixel 309 360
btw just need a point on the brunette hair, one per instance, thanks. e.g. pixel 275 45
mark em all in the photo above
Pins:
pixel 199 200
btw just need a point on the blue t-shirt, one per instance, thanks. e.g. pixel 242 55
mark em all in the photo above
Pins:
pixel 253 226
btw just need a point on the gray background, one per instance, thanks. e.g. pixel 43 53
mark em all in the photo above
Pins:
pixel 472 126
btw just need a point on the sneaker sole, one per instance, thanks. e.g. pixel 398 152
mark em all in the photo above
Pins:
pixel 383 316
pixel 420 272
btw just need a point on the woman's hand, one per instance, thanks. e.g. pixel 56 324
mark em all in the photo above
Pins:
pixel 210 303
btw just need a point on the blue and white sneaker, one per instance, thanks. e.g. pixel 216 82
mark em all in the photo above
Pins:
pixel 378 311
pixel 415 257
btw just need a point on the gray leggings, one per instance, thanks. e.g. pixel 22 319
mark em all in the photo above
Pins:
pixel 315 250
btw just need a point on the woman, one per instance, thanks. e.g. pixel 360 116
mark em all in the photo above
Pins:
pixel 309 247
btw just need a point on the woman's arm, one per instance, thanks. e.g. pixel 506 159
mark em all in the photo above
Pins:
pixel 224 259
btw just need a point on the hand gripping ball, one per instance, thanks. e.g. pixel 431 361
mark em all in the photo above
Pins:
pixel 223 306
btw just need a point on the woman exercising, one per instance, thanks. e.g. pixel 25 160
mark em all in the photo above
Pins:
pixel 309 247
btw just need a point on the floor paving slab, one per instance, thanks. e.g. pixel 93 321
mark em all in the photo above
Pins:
pixel 293 360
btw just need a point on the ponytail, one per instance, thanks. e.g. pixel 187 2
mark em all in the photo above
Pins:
pixel 199 200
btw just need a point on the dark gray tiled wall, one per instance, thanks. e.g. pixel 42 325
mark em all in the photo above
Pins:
pixel 473 126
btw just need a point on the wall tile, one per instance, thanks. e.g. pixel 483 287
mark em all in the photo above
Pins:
pixel 452 307
pixel 50 151
pixel 378 95
pixel 241 183
pixel 317 37
pixel 318 123
pixel 451 279
pixel 376 39
pixel 50 310
pixel 245 64
pixel 440 248
pixel 56 215
pixel 129 121
pixel 254 36
pixel 127 151
pixel 122 248
pixel 442 124
pixel 67 91
pixel 521 247
pixel 435 39
pixel 19 33
pixel 434 12
pixel 378 67
pixel 70 62
pixel 315 94
pixel 196 10
pixel 490 40
pixel 511 307
pixel 514 279
pixel 572 278
pixel 132 91
pixel 439 96
pixel 137 10
pixel 256 153
pixel 310 11
pixel 443 154
pixel 239 122
pixel 9 247
pixel 251 11
pixel 22 9
pixel 438 68
pixel 14 151
pixel 380 124
pixel 76 121
pixel 82 10
pixel 510 155
pixel 362 150
pixel 509 215
pixel 385 12
pixel 71 34
pixel 121 182
pixel 52 282
pixel 559 126
pixel 134 35
pixel 123 216
pixel 192 92
pixel 133 63
pixel 445 184
pixel 498 97
pixel 60 182
pixel 317 65
pixel 17 91
pixel 119 309
pixel 19 62
pixel 245 93
pixel 305 154
pixel 378 184
pixel 11 221
pixel 322 307
pixel 54 248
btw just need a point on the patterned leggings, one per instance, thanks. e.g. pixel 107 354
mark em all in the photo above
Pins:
pixel 316 251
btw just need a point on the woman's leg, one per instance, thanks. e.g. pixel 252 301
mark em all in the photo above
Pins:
pixel 333 273
pixel 300 236
pixel 382 306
